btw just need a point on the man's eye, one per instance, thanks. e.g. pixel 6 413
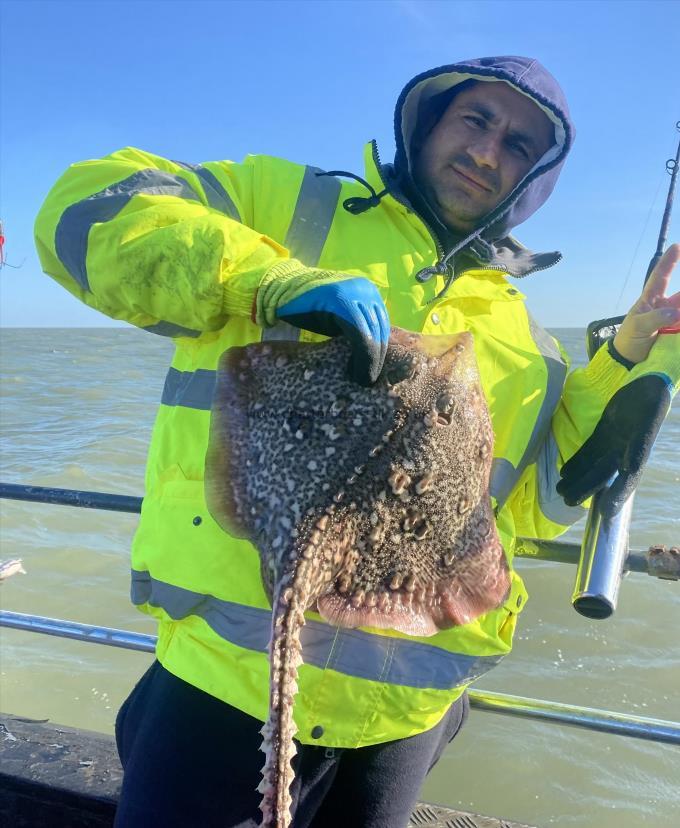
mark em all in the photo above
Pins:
pixel 519 149
pixel 473 120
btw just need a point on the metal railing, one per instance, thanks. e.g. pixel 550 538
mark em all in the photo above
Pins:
pixel 604 721
pixel 651 561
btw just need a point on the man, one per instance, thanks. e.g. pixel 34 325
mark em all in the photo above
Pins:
pixel 224 254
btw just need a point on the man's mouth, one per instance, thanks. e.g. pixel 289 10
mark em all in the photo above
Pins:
pixel 473 182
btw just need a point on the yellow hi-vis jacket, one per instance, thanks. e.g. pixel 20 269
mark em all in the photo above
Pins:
pixel 181 250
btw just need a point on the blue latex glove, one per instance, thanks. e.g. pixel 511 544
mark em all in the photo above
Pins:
pixel 352 308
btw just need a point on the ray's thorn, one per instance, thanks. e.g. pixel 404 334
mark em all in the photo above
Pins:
pixel 425 483
pixel 399 482
pixel 397 581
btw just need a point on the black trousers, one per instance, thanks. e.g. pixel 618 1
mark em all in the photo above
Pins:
pixel 191 760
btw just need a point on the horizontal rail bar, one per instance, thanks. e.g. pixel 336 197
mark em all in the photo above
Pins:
pixel 604 721
pixel 565 552
pixel 125 639
pixel 555 551
pixel 72 497
pixel 639 727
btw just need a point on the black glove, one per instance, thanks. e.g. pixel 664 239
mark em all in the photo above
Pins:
pixel 621 443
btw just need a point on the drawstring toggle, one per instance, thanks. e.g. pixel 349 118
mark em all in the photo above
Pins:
pixel 358 204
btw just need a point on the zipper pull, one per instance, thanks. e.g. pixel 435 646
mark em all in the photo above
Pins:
pixel 439 269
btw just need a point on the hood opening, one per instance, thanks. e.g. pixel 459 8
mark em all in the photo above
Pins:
pixel 421 103
pixel 428 101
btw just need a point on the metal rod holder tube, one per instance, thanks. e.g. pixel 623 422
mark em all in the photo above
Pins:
pixel 603 556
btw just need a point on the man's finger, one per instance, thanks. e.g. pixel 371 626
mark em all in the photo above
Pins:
pixel 574 490
pixel 373 314
pixel 650 322
pixel 384 320
pixel 661 275
pixel 368 354
pixel 674 300
pixel 584 459
pixel 618 493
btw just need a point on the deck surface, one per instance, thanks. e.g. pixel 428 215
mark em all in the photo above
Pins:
pixel 53 776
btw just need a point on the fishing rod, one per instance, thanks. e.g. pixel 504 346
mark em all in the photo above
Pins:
pixel 672 170
pixel 601 330
pixel 605 540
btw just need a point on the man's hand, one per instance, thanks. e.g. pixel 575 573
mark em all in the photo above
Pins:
pixel 623 438
pixel 620 444
pixel 652 312
pixel 352 308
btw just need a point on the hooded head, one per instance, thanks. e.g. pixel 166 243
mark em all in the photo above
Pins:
pixel 428 99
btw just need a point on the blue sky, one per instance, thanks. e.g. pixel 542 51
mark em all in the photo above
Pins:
pixel 313 81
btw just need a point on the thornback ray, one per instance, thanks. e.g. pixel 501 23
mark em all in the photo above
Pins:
pixel 370 505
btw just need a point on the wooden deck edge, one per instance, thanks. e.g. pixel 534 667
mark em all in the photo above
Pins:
pixel 54 776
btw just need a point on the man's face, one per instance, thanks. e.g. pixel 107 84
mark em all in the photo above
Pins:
pixel 483 145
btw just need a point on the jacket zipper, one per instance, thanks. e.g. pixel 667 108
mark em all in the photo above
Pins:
pixel 378 163
pixel 536 269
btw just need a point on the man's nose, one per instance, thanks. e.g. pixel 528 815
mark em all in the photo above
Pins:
pixel 485 151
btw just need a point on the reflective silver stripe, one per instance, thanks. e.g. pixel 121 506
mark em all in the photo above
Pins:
pixel 551 504
pixel 192 389
pixel 306 236
pixel 313 216
pixel 281 332
pixel 503 479
pixel 217 196
pixel 70 239
pixel 170 329
pixel 307 233
pixel 504 475
pixel 351 652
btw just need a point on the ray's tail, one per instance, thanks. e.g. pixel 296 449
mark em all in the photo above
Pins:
pixel 285 651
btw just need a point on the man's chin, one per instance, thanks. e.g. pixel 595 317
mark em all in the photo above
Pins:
pixel 458 223
pixel 457 219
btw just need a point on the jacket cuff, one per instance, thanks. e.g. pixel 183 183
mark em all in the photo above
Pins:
pixel 284 282
pixel 663 360
pixel 241 279
pixel 606 375
pixel 614 354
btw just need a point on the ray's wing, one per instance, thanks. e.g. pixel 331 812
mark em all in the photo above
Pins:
pixel 225 471
pixel 287 429
pixel 386 487
pixel 428 556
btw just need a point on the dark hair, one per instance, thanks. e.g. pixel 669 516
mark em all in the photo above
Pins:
pixel 431 111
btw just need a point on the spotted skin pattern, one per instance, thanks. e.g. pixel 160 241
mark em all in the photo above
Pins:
pixel 369 505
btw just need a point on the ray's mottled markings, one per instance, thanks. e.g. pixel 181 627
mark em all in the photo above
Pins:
pixel 369 505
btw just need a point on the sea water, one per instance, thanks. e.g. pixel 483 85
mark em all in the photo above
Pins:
pixel 76 412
